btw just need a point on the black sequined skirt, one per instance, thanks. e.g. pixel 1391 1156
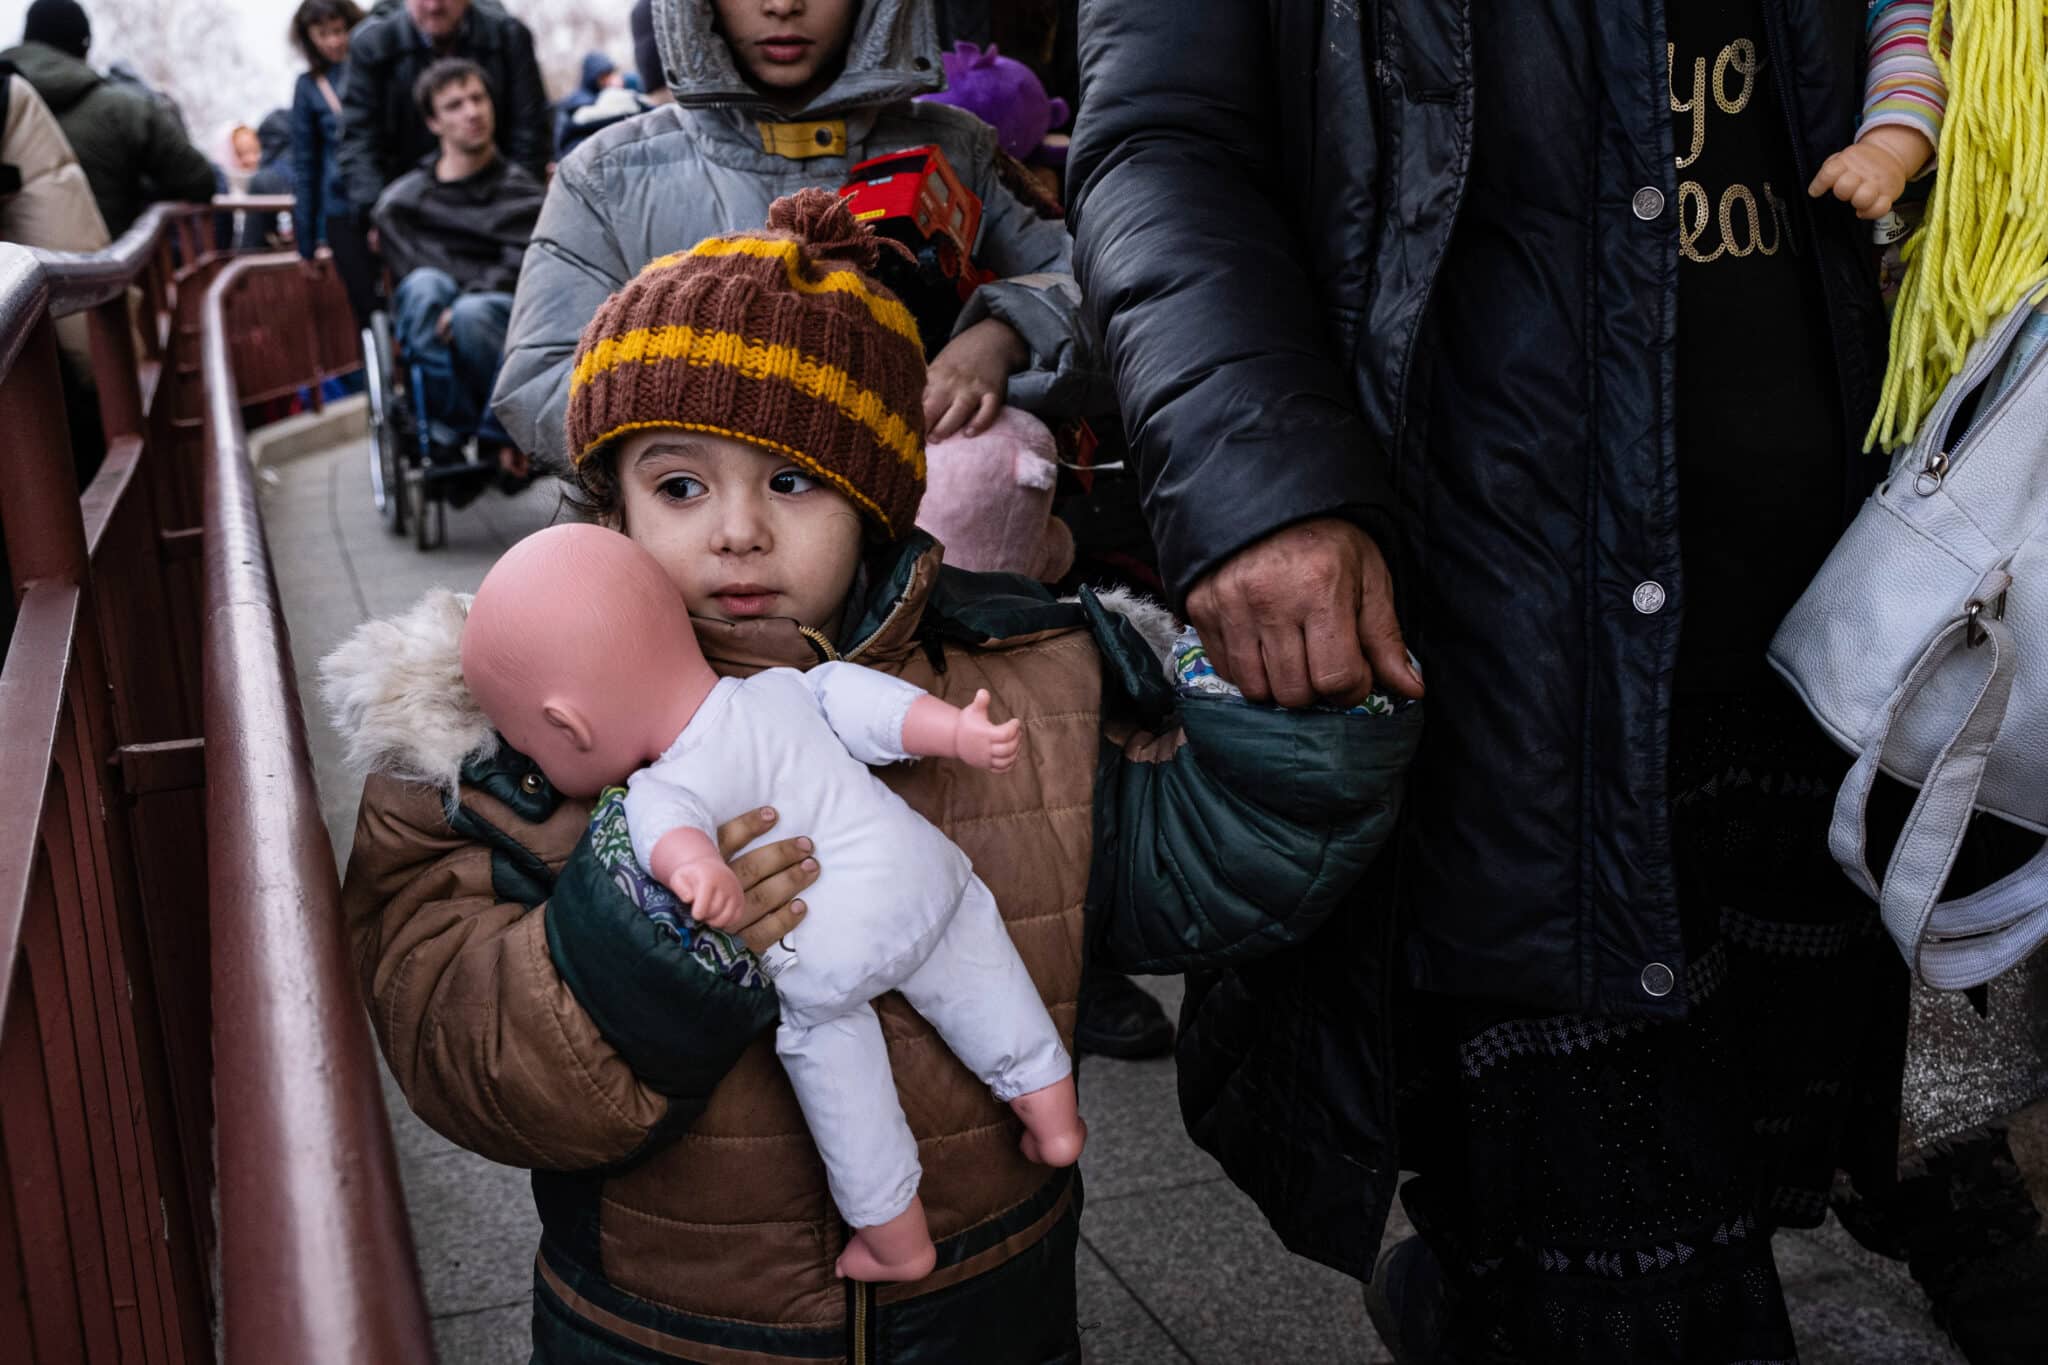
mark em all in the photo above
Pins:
pixel 1606 1188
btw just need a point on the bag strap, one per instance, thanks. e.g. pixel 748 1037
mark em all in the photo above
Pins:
pixel 1965 942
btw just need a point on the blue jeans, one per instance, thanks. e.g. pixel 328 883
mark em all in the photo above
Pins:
pixel 460 371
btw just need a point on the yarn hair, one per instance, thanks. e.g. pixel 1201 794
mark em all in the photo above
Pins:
pixel 1984 240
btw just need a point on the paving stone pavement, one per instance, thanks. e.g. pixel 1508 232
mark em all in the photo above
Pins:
pixel 1175 1265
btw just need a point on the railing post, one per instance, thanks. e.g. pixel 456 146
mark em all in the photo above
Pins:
pixel 114 369
pixel 45 530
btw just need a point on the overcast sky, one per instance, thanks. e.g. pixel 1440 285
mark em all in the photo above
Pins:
pixel 236 61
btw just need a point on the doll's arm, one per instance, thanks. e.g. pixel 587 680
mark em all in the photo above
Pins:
pixel 883 719
pixel 1903 102
pixel 937 730
pixel 676 840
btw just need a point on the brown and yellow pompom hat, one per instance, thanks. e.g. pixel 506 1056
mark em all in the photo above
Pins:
pixel 777 336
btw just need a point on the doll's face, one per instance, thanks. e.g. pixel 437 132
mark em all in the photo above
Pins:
pixel 792 49
pixel 741 531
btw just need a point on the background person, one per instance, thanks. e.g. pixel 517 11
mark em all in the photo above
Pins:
pixel 320 202
pixel 132 147
pixel 453 230
pixel 383 135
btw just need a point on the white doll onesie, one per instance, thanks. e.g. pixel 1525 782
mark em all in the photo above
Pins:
pixel 896 907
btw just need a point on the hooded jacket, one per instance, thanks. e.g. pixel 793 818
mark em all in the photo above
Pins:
pixel 619 201
pixel 532 1011
pixel 132 148
pixel 596 66
pixel 1439 247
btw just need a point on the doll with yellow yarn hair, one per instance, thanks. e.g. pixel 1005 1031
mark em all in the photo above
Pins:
pixel 1976 100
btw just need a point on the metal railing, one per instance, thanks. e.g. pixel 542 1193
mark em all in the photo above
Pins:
pixel 170 939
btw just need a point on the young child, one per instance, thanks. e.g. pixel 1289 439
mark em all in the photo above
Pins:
pixel 747 411
pixel 770 98
pixel 582 653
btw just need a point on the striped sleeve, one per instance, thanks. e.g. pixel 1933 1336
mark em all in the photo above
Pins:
pixel 1904 87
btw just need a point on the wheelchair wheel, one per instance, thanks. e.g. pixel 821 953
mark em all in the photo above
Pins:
pixel 428 509
pixel 429 514
pixel 388 456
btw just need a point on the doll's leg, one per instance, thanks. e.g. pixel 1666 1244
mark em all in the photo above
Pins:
pixel 974 989
pixel 839 1068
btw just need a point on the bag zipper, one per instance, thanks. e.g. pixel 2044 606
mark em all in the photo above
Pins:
pixel 1938 463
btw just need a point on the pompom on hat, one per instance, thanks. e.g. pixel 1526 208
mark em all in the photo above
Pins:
pixel 779 337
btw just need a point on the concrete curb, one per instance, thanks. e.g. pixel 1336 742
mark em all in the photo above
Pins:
pixel 311 433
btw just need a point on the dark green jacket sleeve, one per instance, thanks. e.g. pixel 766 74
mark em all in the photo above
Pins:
pixel 677 1024
pixel 1246 835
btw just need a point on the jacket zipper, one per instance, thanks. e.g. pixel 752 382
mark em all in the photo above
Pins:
pixel 819 643
pixel 853 655
pixel 863 1302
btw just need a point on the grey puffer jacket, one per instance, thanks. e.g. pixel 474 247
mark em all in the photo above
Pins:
pixel 668 179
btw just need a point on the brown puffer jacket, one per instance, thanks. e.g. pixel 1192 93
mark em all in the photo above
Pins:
pixel 729 1221
pixel 533 1011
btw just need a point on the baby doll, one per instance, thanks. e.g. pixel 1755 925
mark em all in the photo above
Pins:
pixel 988 499
pixel 582 653
pixel 1983 241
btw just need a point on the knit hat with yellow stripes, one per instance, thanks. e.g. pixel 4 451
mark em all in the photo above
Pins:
pixel 779 337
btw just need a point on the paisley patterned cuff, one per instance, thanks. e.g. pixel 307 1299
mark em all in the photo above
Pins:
pixel 1198 677
pixel 718 953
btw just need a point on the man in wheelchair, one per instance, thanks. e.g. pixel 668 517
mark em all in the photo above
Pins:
pixel 453 231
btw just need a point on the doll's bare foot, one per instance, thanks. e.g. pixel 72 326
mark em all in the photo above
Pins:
pixel 900 1249
pixel 1053 1131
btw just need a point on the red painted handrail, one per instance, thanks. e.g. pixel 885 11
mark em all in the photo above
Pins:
pixel 179 1025
pixel 316 1259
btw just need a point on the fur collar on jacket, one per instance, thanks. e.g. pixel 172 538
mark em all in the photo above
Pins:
pixel 395 695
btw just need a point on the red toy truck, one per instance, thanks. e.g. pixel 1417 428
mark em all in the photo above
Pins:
pixel 914 198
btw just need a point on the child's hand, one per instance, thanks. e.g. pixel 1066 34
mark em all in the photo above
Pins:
pixel 964 385
pixel 711 890
pixel 1872 172
pixel 985 744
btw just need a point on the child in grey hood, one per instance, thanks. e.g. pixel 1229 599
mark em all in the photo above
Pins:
pixel 769 99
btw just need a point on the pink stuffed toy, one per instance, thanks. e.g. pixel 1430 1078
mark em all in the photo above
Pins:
pixel 1005 94
pixel 988 500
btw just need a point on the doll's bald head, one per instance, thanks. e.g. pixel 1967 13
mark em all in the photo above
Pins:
pixel 580 650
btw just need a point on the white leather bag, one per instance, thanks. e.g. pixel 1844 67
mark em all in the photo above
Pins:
pixel 1922 647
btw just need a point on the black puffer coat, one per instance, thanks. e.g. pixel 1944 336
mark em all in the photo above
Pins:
pixel 1415 262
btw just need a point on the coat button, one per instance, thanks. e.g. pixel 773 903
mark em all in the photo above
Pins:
pixel 1649 598
pixel 531 784
pixel 1648 203
pixel 1658 980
